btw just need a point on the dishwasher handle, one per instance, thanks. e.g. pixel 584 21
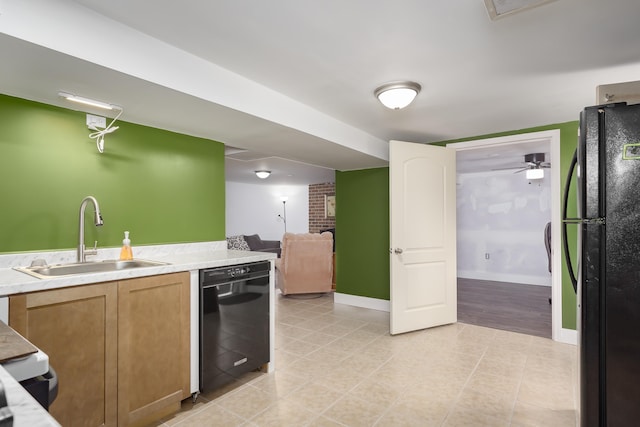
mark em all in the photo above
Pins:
pixel 222 292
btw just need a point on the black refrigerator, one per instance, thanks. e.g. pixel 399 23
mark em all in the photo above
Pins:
pixel 608 270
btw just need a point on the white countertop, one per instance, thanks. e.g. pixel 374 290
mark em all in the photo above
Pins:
pixel 180 257
pixel 27 412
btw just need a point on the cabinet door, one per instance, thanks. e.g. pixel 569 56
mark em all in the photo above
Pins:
pixel 77 328
pixel 153 347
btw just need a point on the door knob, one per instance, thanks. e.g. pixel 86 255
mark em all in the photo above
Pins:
pixel 398 251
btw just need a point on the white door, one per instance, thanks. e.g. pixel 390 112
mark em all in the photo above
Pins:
pixel 422 182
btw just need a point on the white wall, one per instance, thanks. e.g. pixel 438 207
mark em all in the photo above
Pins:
pixel 254 209
pixel 502 214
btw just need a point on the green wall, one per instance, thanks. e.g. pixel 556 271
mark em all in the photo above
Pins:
pixel 362 233
pixel 365 249
pixel 162 186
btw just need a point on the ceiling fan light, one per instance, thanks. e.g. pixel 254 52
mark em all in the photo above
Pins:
pixel 397 95
pixel 535 173
pixel 263 174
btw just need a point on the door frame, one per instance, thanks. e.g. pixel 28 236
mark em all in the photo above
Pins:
pixel 553 138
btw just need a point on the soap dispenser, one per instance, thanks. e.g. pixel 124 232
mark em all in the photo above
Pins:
pixel 125 252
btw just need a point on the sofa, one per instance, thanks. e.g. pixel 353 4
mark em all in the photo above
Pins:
pixel 253 242
pixel 306 265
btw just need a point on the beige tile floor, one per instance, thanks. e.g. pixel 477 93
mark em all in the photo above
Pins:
pixel 337 365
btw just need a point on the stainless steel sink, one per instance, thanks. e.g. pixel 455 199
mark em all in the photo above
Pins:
pixel 57 270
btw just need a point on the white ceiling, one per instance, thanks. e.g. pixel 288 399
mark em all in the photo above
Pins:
pixel 510 156
pixel 294 79
pixel 241 166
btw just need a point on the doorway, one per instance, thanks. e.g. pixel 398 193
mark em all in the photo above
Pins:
pixel 504 152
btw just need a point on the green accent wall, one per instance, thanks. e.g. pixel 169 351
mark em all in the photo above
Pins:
pixel 362 233
pixel 163 187
pixel 362 225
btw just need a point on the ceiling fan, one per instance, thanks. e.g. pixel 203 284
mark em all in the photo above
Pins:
pixel 531 161
pixel 533 164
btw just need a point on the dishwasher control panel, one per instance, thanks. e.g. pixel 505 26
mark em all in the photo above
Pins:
pixel 243 271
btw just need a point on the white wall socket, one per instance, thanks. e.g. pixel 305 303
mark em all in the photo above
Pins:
pixel 96 121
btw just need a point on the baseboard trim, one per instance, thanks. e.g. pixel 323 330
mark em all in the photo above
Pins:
pixel 568 336
pixel 364 302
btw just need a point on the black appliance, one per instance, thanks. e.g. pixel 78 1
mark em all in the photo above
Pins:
pixel 234 322
pixel 43 388
pixel 608 276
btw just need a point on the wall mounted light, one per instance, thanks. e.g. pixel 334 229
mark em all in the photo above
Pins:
pixel 397 95
pixel 263 174
pixel 534 173
pixel 88 101
pixel 98 133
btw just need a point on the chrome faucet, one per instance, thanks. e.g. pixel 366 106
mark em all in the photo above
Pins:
pixel 97 220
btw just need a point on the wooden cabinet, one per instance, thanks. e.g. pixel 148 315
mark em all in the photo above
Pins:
pixel 121 349
pixel 78 329
pixel 153 347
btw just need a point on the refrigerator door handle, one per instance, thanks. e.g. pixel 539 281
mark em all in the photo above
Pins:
pixel 572 220
pixel 588 221
pixel 565 221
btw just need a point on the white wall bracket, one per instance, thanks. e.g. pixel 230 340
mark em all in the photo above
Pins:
pixel 96 122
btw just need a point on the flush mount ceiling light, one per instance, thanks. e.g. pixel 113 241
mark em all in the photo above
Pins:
pixel 397 95
pixel 500 8
pixel 263 174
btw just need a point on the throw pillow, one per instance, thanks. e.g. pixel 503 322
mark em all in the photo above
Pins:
pixel 254 241
pixel 237 243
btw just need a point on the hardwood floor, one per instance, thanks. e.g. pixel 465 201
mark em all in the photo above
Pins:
pixel 508 306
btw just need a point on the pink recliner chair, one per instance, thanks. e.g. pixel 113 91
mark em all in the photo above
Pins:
pixel 306 263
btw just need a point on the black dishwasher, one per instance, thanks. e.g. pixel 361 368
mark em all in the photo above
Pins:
pixel 234 322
